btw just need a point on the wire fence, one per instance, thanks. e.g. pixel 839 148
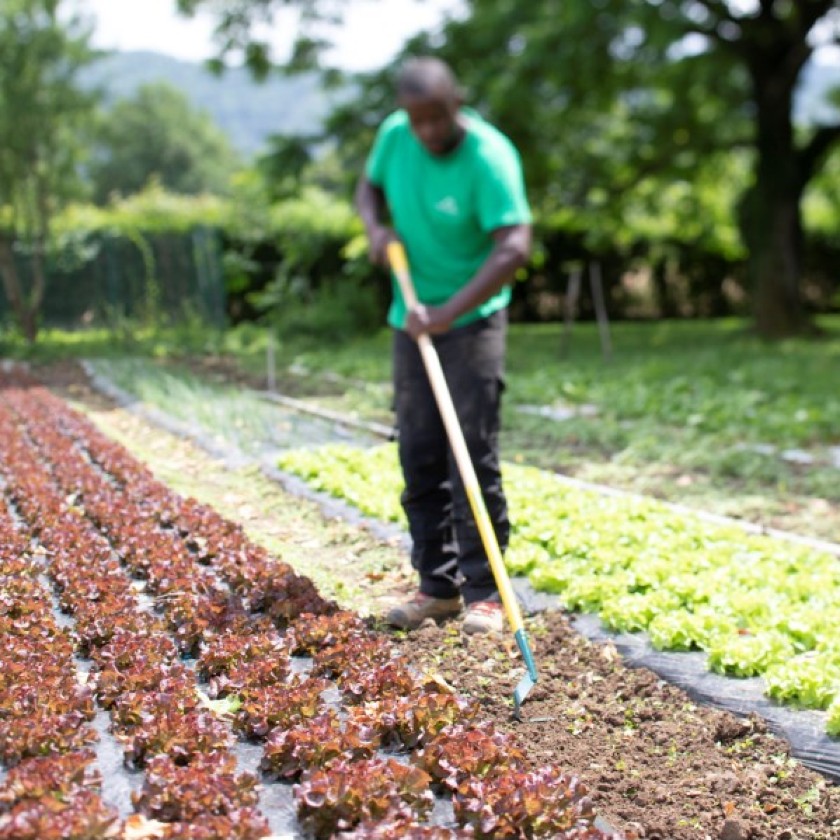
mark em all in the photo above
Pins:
pixel 109 279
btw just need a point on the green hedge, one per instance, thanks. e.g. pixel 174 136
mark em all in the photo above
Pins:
pixel 301 263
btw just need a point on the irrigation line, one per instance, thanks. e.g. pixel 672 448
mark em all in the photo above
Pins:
pixel 376 429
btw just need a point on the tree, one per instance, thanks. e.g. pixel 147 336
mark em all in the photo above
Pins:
pixel 774 45
pixel 284 163
pixel 156 134
pixel 239 22
pixel 693 77
pixel 638 89
pixel 42 116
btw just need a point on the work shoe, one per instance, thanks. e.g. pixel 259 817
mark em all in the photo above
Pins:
pixel 411 614
pixel 484 617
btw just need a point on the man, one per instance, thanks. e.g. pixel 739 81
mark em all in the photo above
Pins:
pixel 453 187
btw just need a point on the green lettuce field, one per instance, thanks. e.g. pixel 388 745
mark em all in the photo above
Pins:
pixel 758 606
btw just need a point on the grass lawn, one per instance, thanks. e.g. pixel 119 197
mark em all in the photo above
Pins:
pixel 709 375
pixel 685 410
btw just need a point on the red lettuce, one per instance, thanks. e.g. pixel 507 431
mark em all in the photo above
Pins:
pixel 345 794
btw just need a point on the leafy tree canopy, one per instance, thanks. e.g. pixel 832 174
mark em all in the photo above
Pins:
pixel 240 22
pixel 606 97
pixel 157 135
pixel 43 115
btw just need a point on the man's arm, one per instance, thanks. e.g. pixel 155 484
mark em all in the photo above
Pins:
pixel 511 251
pixel 370 204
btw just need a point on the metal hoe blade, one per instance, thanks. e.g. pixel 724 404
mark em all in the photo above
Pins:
pixel 529 680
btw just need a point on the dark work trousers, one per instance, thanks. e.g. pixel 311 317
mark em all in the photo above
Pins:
pixel 446 546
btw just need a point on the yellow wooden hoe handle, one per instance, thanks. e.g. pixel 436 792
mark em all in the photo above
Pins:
pixel 399 265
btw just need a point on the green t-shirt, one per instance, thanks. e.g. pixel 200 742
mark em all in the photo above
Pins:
pixel 445 208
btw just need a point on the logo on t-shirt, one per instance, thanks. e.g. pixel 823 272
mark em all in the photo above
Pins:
pixel 448 206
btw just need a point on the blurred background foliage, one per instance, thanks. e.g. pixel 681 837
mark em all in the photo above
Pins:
pixel 688 147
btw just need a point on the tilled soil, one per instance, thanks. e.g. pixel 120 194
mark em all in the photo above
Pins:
pixel 657 764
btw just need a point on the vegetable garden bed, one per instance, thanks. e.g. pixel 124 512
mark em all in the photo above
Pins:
pixel 755 605
pixel 658 765
pixel 195 638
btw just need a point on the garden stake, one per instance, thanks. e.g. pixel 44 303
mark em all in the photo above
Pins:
pixel 399 265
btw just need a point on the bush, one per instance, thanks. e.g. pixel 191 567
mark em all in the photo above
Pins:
pixel 332 313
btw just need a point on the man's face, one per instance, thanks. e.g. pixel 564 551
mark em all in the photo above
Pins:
pixel 434 121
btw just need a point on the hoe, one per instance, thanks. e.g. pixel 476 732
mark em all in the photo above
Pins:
pixel 399 265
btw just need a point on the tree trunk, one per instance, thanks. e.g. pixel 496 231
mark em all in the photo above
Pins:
pixel 36 298
pixel 771 219
pixel 775 246
pixel 26 316
pixel 665 303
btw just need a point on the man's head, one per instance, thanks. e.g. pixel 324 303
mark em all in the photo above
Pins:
pixel 427 90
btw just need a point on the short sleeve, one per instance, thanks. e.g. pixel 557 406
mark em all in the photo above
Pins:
pixel 502 201
pixel 376 166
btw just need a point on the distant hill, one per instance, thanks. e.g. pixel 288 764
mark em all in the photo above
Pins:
pixel 247 111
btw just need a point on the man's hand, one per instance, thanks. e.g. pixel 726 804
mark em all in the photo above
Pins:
pixel 432 320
